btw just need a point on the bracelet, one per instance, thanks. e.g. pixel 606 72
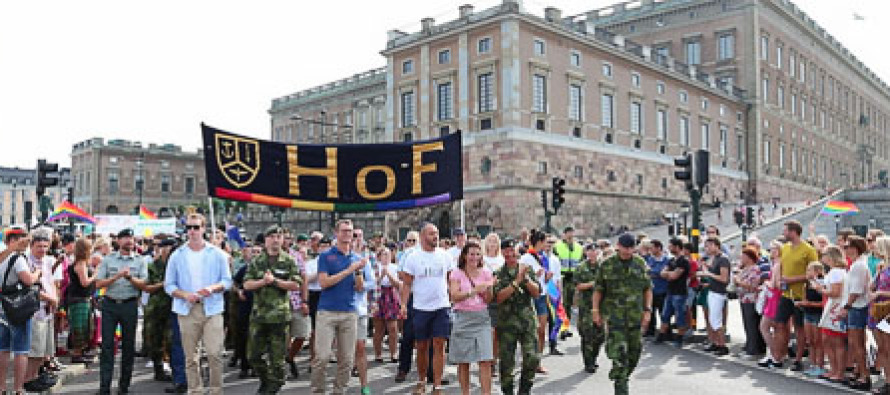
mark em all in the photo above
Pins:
pixel 595 310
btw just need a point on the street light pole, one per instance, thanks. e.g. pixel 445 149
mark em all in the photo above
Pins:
pixel 141 165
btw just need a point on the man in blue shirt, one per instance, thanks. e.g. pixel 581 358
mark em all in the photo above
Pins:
pixel 656 261
pixel 340 275
pixel 197 275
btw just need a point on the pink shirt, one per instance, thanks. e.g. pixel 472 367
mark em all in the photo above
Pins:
pixel 475 303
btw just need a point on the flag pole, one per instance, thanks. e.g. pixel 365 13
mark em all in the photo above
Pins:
pixel 212 218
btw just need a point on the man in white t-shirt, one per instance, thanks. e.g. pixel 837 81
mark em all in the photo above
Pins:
pixel 460 240
pixel 425 274
pixel 42 331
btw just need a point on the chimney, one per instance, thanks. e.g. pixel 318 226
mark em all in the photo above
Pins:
pixel 553 14
pixel 426 24
pixel 465 10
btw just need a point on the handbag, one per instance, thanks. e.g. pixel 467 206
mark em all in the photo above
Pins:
pixel 879 310
pixel 772 303
pixel 19 302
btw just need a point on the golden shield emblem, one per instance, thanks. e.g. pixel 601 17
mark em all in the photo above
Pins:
pixel 238 159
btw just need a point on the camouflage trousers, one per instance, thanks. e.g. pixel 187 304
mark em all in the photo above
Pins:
pixel 528 344
pixel 592 339
pixel 269 340
pixel 624 344
pixel 156 335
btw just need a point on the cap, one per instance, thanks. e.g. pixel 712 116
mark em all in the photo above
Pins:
pixel 126 232
pixel 274 229
pixel 168 242
pixel 260 239
pixel 13 231
pixel 68 238
pixel 458 232
pixel 508 243
pixel 325 240
pixel 302 237
pixel 627 240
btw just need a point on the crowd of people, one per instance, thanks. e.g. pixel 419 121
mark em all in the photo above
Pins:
pixel 463 300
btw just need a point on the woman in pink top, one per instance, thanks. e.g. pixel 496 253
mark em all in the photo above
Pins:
pixel 470 289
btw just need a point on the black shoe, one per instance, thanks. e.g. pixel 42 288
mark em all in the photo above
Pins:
pixel 796 366
pixel 659 338
pixel 47 379
pixel 262 389
pixel 36 386
pixel 590 369
pixel 721 351
pixel 177 389
pixel 161 375
pixel 294 372
pixel 401 377
pixel 442 382
pixel 233 363
pixel 555 351
pixel 766 364
pixel 244 373
pixel 861 385
pixel 711 348
pixel 123 391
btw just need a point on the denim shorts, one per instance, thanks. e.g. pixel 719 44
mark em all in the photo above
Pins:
pixel 857 318
pixel 812 319
pixel 15 338
pixel 541 305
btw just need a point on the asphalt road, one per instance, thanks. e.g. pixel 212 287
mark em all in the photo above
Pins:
pixel 663 369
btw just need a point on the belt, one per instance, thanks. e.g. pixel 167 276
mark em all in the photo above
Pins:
pixel 121 301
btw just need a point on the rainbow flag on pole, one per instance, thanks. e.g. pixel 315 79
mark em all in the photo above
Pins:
pixel 145 213
pixel 837 207
pixel 69 210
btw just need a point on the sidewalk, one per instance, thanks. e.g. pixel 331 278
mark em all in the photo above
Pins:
pixel 736 343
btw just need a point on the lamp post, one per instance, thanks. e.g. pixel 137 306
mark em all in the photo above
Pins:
pixel 140 164
pixel 13 208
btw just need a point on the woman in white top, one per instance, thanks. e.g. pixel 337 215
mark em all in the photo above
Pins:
pixel 833 327
pixel 388 304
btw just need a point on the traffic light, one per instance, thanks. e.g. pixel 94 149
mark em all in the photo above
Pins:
pixel 558 191
pixel 44 178
pixel 684 173
pixel 749 215
pixel 701 168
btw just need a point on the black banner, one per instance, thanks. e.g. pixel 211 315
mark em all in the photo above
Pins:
pixel 337 177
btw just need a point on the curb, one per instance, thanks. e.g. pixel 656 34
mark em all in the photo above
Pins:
pixel 70 370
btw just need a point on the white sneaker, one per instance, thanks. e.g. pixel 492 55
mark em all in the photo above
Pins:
pixel 150 364
pixel 764 359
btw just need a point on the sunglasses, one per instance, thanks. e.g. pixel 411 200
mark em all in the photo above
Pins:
pixel 192 227
pixel 410 241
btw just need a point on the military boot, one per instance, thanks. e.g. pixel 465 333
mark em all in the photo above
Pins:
pixel 621 387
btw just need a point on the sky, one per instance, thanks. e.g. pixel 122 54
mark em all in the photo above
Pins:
pixel 152 71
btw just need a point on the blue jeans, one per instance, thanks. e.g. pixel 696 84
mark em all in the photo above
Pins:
pixel 674 305
pixel 177 354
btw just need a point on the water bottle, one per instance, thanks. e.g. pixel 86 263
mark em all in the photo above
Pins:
pixel 574 318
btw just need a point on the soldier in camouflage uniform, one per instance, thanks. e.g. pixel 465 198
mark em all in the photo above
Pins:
pixel 624 292
pixel 157 312
pixel 592 336
pixel 515 289
pixel 270 276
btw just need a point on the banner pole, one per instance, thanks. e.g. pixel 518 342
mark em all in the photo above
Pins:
pixel 463 216
pixel 212 218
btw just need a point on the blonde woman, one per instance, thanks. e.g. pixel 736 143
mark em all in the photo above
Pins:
pixel 833 324
pixel 493 260
pixel 386 317
pixel 881 293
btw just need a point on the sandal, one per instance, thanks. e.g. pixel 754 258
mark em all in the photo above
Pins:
pixel 378 360
pixel 420 388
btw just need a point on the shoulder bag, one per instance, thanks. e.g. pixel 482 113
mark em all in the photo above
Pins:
pixel 19 301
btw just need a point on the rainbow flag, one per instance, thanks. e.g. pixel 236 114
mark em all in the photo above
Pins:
pixel 145 213
pixel 837 207
pixel 69 210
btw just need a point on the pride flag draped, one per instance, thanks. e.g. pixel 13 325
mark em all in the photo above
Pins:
pixel 69 210
pixel 837 207
pixel 145 213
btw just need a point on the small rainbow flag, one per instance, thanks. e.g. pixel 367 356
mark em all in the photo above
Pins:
pixel 837 207
pixel 145 213
pixel 69 210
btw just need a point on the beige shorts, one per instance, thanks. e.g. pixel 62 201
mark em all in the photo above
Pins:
pixel 42 339
pixel 299 326
pixel 361 328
